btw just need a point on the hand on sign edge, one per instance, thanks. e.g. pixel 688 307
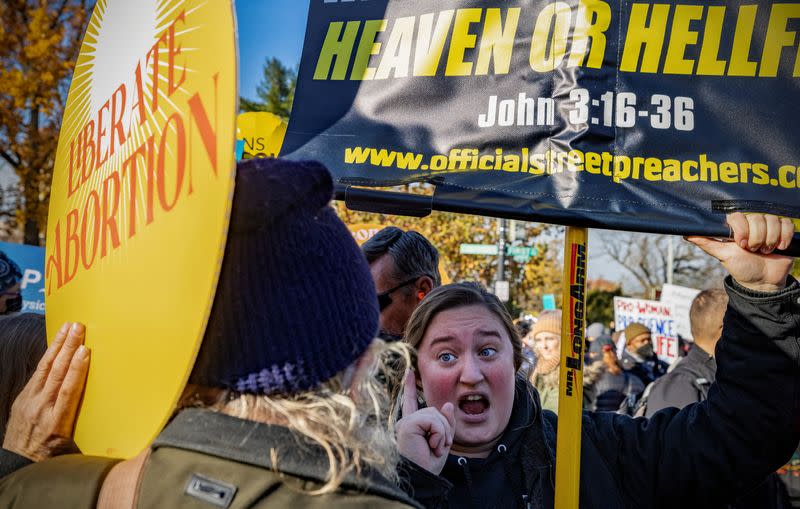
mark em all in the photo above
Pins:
pixel 42 419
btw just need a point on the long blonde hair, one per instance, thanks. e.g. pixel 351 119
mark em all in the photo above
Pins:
pixel 349 422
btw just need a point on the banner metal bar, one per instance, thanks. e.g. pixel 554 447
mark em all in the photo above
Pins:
pixel 418 205
pixel 570 387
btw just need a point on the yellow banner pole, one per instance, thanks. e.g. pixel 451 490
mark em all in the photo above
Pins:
pixel 570 399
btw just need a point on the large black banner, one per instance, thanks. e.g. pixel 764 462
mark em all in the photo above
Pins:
pixel 653 117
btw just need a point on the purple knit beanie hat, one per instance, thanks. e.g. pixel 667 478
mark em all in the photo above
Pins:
pixel 295 302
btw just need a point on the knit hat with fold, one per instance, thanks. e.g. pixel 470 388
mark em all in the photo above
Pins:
pixel 295 303
pixel 549 321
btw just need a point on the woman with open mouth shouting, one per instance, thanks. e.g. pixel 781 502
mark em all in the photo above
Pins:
pixel 473 433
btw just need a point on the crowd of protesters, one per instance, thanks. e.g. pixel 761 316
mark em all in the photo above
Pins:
pixel 641 384
pixel 400 392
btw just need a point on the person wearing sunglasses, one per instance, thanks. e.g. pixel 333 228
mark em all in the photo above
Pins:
pixel 405 268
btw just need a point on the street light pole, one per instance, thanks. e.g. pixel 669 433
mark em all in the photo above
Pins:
pixel 501 249
pixel 670 258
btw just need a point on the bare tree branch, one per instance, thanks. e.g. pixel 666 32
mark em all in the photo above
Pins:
pixel 59 12
pixel 643 257
pixel 9 159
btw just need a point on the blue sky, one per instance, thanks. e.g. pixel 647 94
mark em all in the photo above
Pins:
pixel 268 28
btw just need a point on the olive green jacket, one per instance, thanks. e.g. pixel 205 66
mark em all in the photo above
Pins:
pixel 206 460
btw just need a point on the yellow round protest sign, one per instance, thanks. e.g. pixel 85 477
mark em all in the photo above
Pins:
pixel 139 207
pixel 261 134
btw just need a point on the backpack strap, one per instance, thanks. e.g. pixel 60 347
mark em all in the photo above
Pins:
pixel 702 385
pixel 699 381
pixel 122 483
pixel 640 410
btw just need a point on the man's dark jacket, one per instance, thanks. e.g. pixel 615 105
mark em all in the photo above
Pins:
pixel 648 370
pixel 705 455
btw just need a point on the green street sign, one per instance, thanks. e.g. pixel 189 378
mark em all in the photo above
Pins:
pixel 519 253
pixel 478 249
pixel 522 251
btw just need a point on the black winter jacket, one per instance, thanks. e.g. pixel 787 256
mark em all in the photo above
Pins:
pixel 705 455
pixel 647 371
pixel 689 383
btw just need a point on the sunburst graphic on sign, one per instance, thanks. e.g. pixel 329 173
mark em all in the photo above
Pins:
pixel 139 205
pixel 117 35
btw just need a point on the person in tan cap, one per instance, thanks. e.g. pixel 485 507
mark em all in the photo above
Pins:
pixel 545 340
pixel 639 358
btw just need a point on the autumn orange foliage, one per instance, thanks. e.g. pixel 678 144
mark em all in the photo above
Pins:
pixel 529 281
pixel 39 43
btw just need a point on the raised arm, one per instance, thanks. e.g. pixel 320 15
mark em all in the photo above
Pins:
pixel 710 452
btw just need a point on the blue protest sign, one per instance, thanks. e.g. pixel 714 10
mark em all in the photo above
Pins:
pixel 31 263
